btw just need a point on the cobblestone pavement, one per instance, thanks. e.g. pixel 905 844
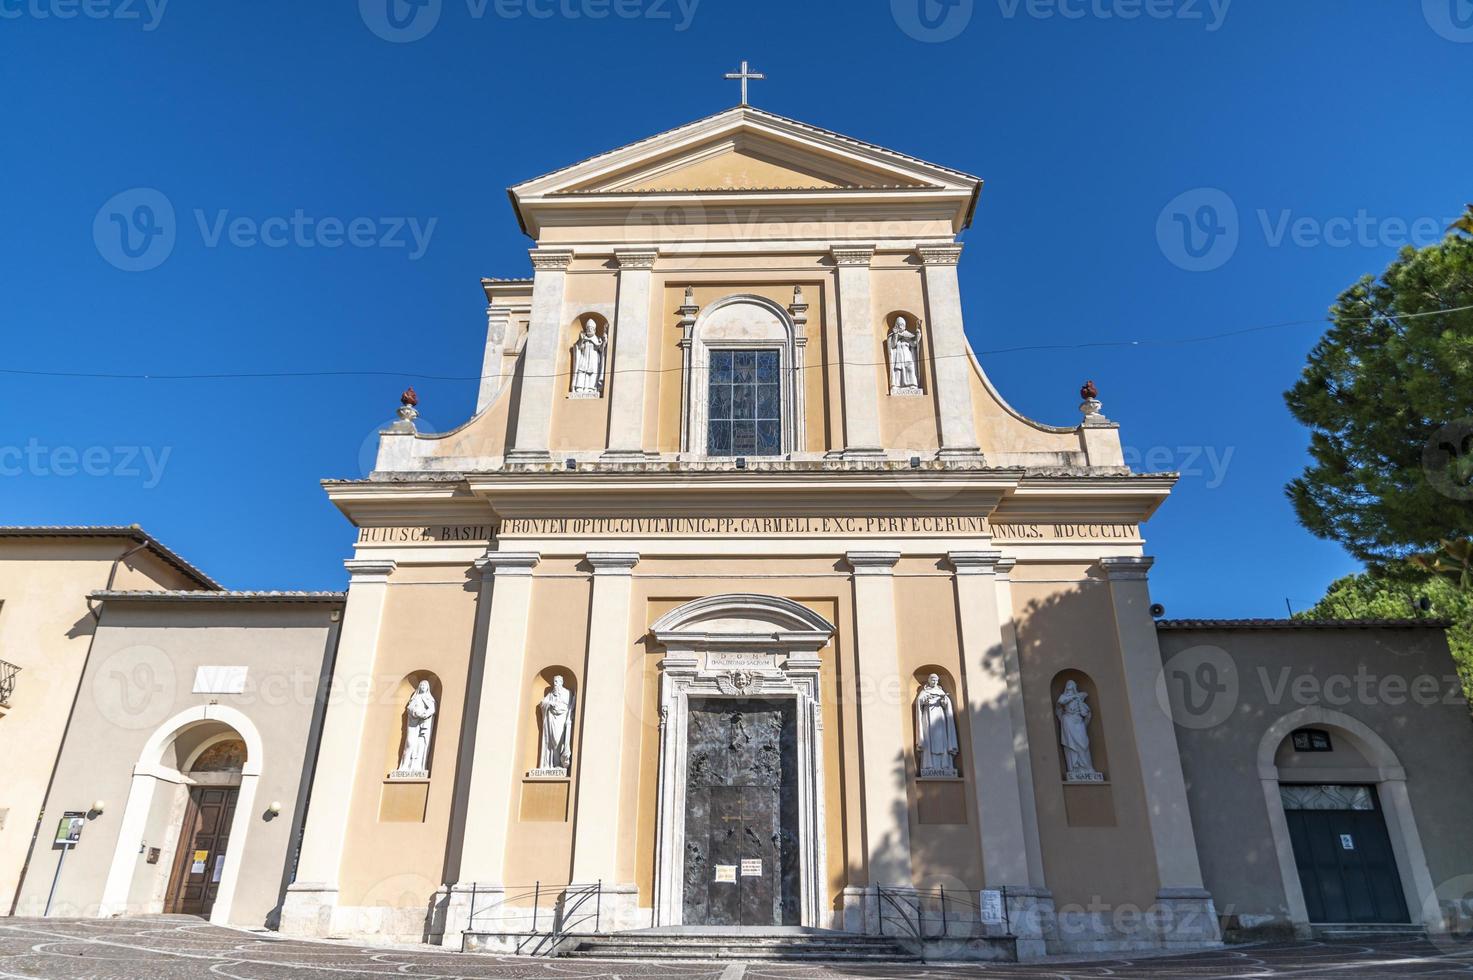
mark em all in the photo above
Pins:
pixel 182 948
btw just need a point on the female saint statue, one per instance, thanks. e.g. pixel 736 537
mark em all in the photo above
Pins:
pixel 936 743
pixel 588 360
pixel 1074 715
pixel 557 727
pixel 904 344
pixel 419 720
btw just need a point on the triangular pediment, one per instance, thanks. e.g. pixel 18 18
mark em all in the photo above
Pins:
pixel 745 149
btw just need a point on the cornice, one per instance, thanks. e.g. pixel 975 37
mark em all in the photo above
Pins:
pixel 1127 568
pixel 861 254
pixel 507 563
pixel 872 562
pixel 636 258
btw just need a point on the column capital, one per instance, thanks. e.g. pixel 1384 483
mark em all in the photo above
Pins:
pixel 550 259
pixel 872 562
pixel 636 258
pixel 1127 568
pixel 976 562
pixel 508 562
pixel 940 253
pixel 369 570
pixel 858 254
pixel 613 562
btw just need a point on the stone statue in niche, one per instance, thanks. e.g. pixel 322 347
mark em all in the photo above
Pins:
pixel 557 731
pixel 588 361
pixel 1074 715
pixel 936 743
pixel 904 344
pixel 419 721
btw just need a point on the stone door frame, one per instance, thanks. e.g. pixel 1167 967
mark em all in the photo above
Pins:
pixel 739 647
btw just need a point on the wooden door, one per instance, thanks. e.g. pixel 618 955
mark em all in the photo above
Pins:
pixel 203 841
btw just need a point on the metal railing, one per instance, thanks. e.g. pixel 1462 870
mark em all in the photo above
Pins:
pixel 7 681
pixel 927 913
pixel 518 911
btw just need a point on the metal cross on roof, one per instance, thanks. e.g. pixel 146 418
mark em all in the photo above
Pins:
pixel 743 76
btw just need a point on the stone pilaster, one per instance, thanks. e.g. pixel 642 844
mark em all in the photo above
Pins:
pixel 951 361
pixel 857 351
pixel 312 899
pixel 539 357
pixel 498 326
pixel 628 381
pixel 598 766
pixel 494 768
pixel 882 763
pixel 1185 912
pixel 1002 775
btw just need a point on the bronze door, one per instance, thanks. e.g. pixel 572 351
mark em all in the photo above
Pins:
pixel 741 843
pixel 203 840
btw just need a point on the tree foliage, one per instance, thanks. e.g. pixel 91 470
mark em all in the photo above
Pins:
pixel 1396 593
pixel 1388 396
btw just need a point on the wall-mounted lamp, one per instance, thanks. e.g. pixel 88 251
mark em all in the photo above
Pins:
pixel 98 806
pixel 275 808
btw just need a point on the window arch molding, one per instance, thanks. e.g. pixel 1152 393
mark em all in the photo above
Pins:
pixel 742 321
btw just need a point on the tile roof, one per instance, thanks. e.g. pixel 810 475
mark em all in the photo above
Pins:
pixel 1300 624
pixel 131 532
pixel 223 595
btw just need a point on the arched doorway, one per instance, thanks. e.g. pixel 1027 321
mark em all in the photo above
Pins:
pixel 1344 832
pixel 193 791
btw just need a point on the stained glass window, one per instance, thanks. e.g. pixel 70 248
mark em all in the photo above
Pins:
pixel 744 403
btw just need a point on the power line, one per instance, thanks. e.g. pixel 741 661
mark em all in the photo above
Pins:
pixel 417 376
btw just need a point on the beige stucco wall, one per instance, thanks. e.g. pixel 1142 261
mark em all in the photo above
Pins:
pixel 138 682
pixel 1096 838
pixel 1399 682
pixel 46 629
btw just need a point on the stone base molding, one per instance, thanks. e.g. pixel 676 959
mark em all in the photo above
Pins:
pixel 308 909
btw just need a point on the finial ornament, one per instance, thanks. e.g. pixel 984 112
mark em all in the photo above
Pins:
pixel 1091 405
pixel 408 405
pixel 744 76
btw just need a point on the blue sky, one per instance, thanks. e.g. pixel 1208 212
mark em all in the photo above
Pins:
pixel 1155 170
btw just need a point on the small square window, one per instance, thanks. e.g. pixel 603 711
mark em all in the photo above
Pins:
pixel 1312 740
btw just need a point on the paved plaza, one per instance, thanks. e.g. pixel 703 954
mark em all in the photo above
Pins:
pixel 183 948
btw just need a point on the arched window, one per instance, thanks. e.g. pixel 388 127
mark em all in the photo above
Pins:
pixel 743 396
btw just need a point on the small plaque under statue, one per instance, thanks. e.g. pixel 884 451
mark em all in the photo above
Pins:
pixel 410 774
pixel 939 773
pixel 1084 776
pixel 551 772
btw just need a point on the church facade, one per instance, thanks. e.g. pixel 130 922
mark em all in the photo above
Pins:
pixel 745 598
pixel 745 601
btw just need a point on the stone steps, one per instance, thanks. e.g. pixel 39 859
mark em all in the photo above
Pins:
pixel 812 949
pixel 1369 930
